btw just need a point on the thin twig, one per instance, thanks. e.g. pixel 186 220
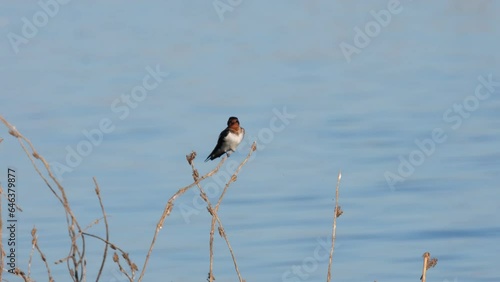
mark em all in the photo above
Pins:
pixel 80 234
pixel 216 209
pixel 42 255
pixel 428 263
pixel 116 259
pixel 125 255
pixel 78 263
pixel 33 242
pixel 336 214
pixel 98 193
pixel 426 257
pixel 111 245
pixel 190 158
pixel 21 274
pixel 2 251
pixel 168 209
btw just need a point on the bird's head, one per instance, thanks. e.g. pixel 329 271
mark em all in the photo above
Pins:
pixel 233 122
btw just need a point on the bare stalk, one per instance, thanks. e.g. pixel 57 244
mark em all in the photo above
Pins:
pixel 76 255
pixel 337 213
pixel 428 263
pixel 216 209
pixel 98 193
pixel 168 208
pixel 424 267
pixel 2 251
pixel 42 255
pixel 133 267
pixel 33 242
pixel 122 270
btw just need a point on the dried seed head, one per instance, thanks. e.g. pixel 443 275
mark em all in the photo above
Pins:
pixel 210 211
pixel 169 208
pixel 191 157
pixel 125 256
pixel 339 211
pixel 18 271
pixel 221 232
pixel 254 146
pixel 431 263
pixel 203 196
pixel 14 132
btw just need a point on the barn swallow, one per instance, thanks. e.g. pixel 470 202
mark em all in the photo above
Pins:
pixel 229 139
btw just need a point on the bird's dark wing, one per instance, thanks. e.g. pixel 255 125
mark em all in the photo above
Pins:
pixel 218 150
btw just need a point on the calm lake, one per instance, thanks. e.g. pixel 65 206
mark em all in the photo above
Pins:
pixel 402 97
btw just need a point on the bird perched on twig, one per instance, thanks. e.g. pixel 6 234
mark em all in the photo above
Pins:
pixel 229 139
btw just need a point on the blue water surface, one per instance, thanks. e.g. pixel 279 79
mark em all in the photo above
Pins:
pixel 394 94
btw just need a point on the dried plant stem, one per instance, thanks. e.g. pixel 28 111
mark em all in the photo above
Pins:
pixel 42 255
pixel 33 242
pixel 1 233
pixel 113 246
pixel 214 214
pixel 190 158
pixel 20 273
pixel 336 214
pixel 98 193
pixel 75 260
pixel 428 263
pixel 168 208
pixel 122 270
pixel 130 263
pixel 216 210
pixel 426 256
pixel 222 233
pixel 76 255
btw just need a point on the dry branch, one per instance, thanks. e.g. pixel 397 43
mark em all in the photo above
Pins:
pixel 75 260
pixel 190 158
pixel 98 193
pixel 428 263
pixel 216 209
pixel 337 212
pixel 42 255
pixel 75 254
pixel 2 254
pixel 169 206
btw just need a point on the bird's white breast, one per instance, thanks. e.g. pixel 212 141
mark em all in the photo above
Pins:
pixel 233 140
